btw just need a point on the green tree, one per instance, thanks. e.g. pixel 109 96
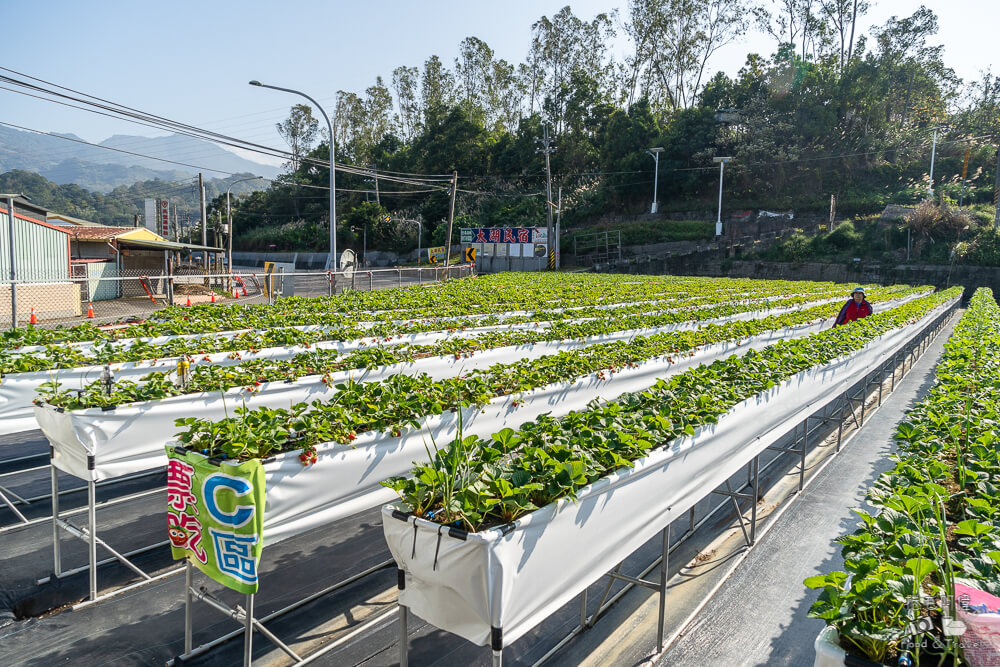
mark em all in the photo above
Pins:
pixel 299 131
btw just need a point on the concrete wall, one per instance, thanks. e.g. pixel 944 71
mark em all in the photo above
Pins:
pixel 500 264
pixel 970 277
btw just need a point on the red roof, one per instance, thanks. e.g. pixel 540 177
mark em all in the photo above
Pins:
pixel 89 260
pixel 99 233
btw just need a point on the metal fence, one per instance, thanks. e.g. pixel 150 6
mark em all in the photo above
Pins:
pixel 91 296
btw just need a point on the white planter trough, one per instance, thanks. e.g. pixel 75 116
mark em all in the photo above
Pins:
pixel 92 444
pixel 493 586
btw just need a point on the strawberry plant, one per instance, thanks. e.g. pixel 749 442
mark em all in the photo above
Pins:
pixel 937 518
pixel 557 457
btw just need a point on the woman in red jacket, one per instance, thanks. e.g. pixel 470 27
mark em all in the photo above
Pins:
pixel 854 309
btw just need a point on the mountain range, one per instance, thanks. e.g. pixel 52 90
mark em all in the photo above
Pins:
pixel 119 160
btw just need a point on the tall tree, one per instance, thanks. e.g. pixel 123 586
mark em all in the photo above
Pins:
pixel 473 68
pixel 564 44
pixel 674 41
pixel 299 131
pixel 843 16
pixel 437 90
pixel 405 83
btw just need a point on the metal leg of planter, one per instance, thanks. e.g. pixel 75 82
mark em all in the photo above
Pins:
pixel 664 567
pixel 10 505
pixel 248 633
pixel 802 459
pixel 756 497
pixel 604 596
pixel 187 606
pixel 56 550
pixel 498 658
pixel 404 658
pixel 840 421
pixel 583 608
pixel 881 381
pixel 864 399
pixel 92 536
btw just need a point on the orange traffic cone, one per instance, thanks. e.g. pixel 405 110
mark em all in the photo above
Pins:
pixel 90 310
pixel 244 290
pixel 188 301
pixel 33 319
pixel 213 298
pixel 236 294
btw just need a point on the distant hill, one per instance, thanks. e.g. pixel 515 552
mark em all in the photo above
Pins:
pixel 103 170
pixel 119 206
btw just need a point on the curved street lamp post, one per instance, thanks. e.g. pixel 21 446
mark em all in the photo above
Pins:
pixel 722 168
pixel 331 262
pixel 655 153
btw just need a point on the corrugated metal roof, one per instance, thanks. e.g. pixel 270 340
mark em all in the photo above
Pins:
pixel 164 245
pixel 68 220
pixel 108 233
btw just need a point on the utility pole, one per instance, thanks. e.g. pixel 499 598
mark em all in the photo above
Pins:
pixel 833 211
pixel 547 149
pixel 451 216
pixel 996 194
pixel 558 222
pixel 204 221
pixel 13 273
pixel 375 174
pixel 930 186
pixel 965 173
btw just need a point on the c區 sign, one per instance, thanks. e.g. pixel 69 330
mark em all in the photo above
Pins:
pixel 215 516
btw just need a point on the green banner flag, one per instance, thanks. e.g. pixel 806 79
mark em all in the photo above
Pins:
pixel 215 516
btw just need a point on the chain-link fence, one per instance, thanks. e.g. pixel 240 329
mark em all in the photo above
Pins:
pixel 90 295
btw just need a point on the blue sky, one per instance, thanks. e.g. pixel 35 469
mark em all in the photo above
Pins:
pixel 190 61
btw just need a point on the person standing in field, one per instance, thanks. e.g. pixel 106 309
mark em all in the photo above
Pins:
pixel 856 308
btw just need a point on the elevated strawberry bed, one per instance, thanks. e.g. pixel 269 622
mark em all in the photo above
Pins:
pixel 560 501
pixel 938 519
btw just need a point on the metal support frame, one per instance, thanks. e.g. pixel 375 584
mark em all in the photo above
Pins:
pixel 88 534
pixel 753 480
pixel 249 622
pixel 496 647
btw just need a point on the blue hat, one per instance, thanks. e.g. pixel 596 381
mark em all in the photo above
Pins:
pixel 858 289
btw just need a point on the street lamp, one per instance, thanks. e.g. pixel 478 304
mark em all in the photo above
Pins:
pixel 655 153
pixel 930 186
pixel 420 231
pixel 229 220
pixel 722 168
pixel 332 260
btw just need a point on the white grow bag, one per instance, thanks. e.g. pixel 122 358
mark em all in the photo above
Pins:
pixel 504 581
pixel 108 443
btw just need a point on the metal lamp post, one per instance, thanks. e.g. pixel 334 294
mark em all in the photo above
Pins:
pixel 930 185
pixel 722 168
pixel 655 153
pixel 420 231
pixel 332 260
pixel 229 220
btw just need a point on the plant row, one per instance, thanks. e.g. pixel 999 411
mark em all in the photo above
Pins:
pixel 492 294
pixel 208 377
pixel 569 324
pixel 476 483
pixel 937 512
pixel 402 401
